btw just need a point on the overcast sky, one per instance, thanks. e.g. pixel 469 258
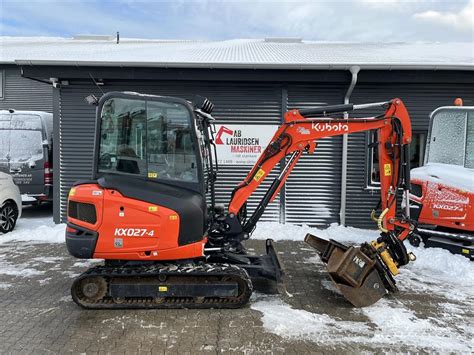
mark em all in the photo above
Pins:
pixel 356 20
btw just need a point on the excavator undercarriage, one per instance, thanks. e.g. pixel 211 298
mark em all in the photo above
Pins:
pixel 152 285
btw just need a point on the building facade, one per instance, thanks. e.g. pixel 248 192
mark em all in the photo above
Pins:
pixel 337 183
pixel 312 194
pixel 19 93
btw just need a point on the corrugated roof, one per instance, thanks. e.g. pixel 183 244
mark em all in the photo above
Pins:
pixel 239 53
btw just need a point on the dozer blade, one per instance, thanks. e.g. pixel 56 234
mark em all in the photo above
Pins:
pixel 361 278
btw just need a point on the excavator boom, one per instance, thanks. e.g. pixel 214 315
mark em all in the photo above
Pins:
pixel 362 274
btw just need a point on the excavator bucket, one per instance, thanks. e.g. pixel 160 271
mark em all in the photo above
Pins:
pixel 356 271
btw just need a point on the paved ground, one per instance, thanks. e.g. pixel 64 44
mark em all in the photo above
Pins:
pixel 37 315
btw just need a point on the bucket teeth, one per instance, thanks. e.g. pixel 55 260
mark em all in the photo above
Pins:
pixel 357 273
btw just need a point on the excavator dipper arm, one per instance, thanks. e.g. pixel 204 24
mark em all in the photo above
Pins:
pixel 363 274
pixel 300 132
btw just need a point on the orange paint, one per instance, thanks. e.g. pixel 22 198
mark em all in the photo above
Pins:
pixel 146 233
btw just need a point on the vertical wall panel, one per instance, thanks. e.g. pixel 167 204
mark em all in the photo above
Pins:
pixel 24 94
pixel 313 190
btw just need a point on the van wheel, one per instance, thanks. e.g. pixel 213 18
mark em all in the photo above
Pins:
pixel 8 217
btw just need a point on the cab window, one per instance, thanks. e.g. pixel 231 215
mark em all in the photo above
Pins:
pixel 452 138
pixel 469 162
pixel 147 138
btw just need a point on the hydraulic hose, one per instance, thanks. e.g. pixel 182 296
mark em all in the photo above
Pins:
pixel 380 221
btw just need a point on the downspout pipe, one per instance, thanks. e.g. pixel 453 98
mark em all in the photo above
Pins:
pixel 345 141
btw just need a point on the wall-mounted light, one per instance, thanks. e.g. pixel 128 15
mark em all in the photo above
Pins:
pixel 55 82
pixel 91 100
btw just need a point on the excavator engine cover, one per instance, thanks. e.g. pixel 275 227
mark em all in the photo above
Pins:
pixel 353 272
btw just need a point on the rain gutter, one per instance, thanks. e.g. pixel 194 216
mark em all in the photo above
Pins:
pixel 249 65
pixel 345 140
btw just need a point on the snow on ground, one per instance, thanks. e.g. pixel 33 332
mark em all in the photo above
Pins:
pixel 438 266
pixel 35 230
pixel 440 271
pixel 87 263
pixel 278 231
pixel 390 324
pixel 390 321
pixel 287 322
pixel 48 259
pixel 435 272
pixel 22 270
pixel 29 231
pixel 398 325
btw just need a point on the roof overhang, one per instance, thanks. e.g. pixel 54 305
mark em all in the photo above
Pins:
pixel 249 65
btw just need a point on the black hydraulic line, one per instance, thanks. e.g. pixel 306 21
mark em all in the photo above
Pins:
pixel 252 221
pixel 272 149
pixel 326 109
pixel 341 108
pixel 406 166
pixel 212 174
pixel 254 218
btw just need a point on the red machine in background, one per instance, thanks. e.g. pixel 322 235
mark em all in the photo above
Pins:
pixel 442 191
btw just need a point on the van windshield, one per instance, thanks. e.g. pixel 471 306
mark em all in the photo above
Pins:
pixel 21 138
pixel 4 144
pixel 25 146
pixel 4 136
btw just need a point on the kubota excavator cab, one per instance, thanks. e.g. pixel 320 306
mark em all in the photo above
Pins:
pixel 442 191
pixel 148 164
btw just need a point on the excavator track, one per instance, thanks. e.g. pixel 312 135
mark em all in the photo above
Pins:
pixel 192 285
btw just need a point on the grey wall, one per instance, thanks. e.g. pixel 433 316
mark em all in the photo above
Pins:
pixel 313 189
pixel 24 94
pixel 234 103
pixel 312 192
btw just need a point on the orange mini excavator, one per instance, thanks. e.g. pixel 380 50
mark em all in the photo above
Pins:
pixel 150 210
pixel 442 193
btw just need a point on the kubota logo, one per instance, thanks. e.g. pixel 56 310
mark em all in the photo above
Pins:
pixel 330 127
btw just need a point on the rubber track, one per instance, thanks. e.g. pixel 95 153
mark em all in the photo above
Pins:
pixel 153 272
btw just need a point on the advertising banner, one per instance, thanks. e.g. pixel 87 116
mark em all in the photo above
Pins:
pixel 241 144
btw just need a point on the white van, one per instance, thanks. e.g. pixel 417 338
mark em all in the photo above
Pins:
pixel 26 152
